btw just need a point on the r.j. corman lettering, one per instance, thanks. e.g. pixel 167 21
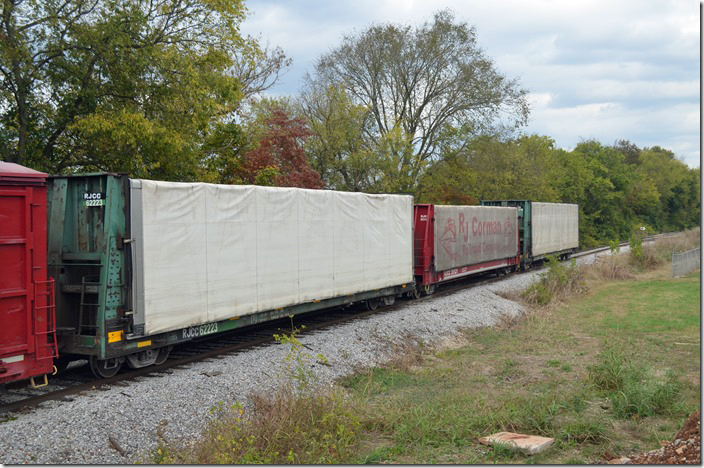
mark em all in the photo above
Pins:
pixel 479 228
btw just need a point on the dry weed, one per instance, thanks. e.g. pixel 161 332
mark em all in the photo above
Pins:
pixel 612 267
pixel 407 352
pixel 682 242
pixel 511 295
pixel 507 321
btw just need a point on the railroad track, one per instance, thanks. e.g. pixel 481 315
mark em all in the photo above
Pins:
pixel 20 397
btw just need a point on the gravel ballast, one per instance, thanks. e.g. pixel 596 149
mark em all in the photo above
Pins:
pixel 123 423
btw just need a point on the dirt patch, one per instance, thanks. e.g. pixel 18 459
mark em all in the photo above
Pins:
pixel 455 341
pixel 684 449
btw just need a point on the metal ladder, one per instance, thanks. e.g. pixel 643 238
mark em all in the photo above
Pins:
pixel 50 349
pixel 84 283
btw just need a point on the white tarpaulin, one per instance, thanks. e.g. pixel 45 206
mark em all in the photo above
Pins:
pixel 468 235
pixel 211 252
pixel 555 227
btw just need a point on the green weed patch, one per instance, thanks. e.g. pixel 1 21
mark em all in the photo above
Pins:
pixel 600 373
pixel 632 388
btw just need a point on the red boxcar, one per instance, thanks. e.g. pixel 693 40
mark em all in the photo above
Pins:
pixel 27 314
pixel 455 241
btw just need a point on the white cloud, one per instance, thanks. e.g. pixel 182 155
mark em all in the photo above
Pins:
pixel 641 89
pixel 539 100
pixel 675 128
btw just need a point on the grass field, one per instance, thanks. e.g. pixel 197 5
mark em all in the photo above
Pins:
pixel 614 371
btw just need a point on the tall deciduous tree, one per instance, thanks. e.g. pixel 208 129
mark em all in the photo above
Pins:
pixel 278 158
pixel 338 149
pixel 416 82
pixel 123 85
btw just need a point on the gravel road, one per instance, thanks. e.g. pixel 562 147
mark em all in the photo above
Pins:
pixel 120 425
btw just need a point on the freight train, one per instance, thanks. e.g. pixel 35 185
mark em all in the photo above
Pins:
pixel 117 270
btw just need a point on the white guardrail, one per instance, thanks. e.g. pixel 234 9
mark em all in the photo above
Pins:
pixel 685 262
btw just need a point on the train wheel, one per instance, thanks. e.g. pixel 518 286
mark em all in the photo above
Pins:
pixel 163 355
pixel 105 368
pixel 389 300
pixel 415 294
pixel 371 304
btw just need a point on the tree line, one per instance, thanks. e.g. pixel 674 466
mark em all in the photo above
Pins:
pixel 171 90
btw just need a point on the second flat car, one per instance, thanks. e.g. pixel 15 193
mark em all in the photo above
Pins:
pixel 451 242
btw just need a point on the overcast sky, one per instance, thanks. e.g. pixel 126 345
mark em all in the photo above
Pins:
pixel 604 70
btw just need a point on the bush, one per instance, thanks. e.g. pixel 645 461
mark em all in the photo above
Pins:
pixel 297 424
pixel 557 282
pixel 636 251
pixel 296 370
pixel 614 246
pixel 284 428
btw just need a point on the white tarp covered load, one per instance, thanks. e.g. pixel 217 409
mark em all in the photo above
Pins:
pixel 467 235
pixel 555 227
pixel 211 252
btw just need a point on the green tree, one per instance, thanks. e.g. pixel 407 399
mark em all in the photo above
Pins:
pixel 450 181
pixel 677 186
pixel 622 187
pixel 515 169
pixel 603 213
pixel 124 85
pixel 223 149
pixel 488 168
pixel 417 83
pixel 338 149
pixel 629 150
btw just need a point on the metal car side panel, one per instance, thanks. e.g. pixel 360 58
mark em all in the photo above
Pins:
pixel 467 235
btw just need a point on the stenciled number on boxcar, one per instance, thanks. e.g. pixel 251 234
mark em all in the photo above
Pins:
pixel 201 330
pixel 94 199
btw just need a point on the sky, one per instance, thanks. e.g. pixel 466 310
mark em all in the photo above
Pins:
pixel 595 69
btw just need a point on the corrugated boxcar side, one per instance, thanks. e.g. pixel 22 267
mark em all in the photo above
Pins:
pixel 211 252
pixel 468 235
pixel 25 318
pixel 555 227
